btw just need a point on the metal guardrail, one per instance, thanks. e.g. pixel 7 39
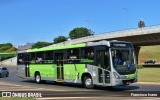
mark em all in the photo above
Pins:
pixel 151 65
pixel 109 35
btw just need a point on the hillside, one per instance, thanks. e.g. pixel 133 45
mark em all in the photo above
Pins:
pixel 7 47
pixel 149 52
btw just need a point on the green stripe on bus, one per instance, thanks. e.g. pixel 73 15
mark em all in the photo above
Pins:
pixel 58 47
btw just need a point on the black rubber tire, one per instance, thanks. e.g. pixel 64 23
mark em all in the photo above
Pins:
pixel 38 78
pixel 111 87
pixel 7 74
pixel 43 81
pixel 88 82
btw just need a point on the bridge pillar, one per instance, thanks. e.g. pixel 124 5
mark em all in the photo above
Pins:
pixel 137 49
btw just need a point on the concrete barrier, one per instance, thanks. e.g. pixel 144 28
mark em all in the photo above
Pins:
pixel 10 62
pixel 151 65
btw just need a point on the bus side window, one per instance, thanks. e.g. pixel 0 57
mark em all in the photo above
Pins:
pixel 73 56
pixel 33 58
pixel 49 57
pixel 40 57
pixel 88 55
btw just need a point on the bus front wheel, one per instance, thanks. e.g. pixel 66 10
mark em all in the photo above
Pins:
pixel 88 82
pixel 38 78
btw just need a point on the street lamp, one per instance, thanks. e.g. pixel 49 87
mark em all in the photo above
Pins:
pixel 126 11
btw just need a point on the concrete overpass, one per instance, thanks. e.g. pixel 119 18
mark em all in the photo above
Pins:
pixel 139 37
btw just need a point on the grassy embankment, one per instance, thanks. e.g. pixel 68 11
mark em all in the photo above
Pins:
pixel 149 52
pixel 149 74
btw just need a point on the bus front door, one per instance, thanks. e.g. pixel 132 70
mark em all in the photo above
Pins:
pixel 102 60
pixel 59 63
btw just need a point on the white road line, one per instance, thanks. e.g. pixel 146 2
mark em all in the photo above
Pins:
pixel 25 88
pixel 9 84
pixel 155 83
pixel 59 98
pixel 21 87
pixel 15 86
pixel 145 99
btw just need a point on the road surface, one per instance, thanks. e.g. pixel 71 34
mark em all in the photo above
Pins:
pixel 50 90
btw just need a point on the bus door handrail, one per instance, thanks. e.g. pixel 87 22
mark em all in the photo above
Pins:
pixel 104 69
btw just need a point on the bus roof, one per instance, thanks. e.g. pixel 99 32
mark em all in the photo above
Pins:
pixel 57 47
pixel 61 47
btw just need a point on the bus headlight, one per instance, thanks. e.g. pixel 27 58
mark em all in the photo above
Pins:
pixel 116 75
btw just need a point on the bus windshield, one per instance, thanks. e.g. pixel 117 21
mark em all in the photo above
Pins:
pixel 123 61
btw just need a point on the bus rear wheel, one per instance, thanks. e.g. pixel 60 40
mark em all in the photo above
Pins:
pixel 7 75
pixel 38 78
pixel 88 82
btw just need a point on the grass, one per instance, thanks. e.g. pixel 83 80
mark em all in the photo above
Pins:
pixel 149 52
pixel 149 75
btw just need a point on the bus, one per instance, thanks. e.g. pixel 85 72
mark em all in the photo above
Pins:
pixel 90 64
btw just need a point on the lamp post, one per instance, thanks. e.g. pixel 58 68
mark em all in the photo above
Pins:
pixel 126 11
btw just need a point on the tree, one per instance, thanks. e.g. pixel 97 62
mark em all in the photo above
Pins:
pixel 40 44
pixel 80 32
pixel 7 47
pixel 13 49
pixel 141 24
pixel 6 44
pixel 59 39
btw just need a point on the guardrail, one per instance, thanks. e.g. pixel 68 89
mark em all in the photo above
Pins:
pixel 151 65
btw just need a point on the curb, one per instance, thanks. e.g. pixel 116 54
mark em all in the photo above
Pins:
pixel 155 83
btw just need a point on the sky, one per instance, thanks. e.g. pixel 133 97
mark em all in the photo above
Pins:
pixel 29 21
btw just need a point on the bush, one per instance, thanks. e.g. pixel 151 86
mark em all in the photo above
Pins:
pixel 139 66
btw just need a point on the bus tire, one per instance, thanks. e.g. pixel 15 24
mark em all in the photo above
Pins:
pixel 7 74
pixel 88 82
pixel 38 78
pixel 110 87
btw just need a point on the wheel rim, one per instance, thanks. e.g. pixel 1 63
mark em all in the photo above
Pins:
pixel 88 82
pixel 37 78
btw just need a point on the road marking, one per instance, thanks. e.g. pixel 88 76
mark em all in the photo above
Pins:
pixel 9 84
pixel 97 98
pixel 16 87
pixel 148 98
pixel 58 98
pixel 148 83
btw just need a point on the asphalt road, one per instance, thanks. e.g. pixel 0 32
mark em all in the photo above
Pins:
pixel 50 90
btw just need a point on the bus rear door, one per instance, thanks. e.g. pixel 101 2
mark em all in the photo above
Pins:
pixel 23 65
pixel 59 63
pixel 26 63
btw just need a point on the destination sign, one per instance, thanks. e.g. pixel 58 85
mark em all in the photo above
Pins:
pixel 119 45
pixel 122 45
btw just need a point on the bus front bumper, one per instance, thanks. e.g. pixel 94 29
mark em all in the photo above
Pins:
pixel 118 82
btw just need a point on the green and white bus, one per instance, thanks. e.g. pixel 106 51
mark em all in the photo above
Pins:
pixel 92 63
